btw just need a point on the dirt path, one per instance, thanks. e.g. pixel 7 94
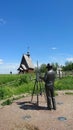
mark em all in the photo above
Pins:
pixel 24 115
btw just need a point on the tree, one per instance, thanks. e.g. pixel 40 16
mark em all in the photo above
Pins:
pixel 55 66
pixel 43 68
pixel 68 66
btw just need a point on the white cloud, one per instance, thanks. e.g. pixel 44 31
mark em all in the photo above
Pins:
pixel 1 61
pixel 70 59
pixel 5 68
pixel 2 21
pixel 53 48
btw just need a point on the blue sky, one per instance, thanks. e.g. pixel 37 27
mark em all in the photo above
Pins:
pixel 43 26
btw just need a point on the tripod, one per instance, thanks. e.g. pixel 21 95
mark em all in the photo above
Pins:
pixel 37 88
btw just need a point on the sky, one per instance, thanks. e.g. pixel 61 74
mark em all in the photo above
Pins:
pixel 42 27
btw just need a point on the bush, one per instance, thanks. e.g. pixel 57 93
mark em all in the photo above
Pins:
pixel 7 102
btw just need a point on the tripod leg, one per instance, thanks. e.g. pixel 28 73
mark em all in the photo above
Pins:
pixel 35 86
pixel 33 91
pixel 37 95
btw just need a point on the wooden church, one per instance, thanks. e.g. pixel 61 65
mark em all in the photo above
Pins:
pixel 26 65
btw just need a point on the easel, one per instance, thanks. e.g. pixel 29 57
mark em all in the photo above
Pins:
pixel 36 87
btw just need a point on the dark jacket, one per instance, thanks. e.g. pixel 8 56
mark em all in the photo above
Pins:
pixel 49 78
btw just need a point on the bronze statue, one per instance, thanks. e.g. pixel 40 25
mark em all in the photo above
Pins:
pixel 49 79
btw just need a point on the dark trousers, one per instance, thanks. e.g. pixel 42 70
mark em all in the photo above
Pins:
pixel 50 97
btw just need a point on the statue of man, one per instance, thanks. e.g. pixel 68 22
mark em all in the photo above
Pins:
pixel 49 79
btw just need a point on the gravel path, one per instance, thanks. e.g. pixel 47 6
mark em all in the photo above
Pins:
pixel 24 115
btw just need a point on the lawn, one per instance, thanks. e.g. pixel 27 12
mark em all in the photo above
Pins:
pixel 16 84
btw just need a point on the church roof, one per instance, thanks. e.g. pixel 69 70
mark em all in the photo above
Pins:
pixel 29 61
pixel 26 63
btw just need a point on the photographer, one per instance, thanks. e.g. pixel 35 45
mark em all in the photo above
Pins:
pixel 49 79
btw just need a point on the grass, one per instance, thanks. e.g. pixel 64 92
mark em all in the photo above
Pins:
pixel 6 78
pixel 15 85
pixel 7 102
pixel 11 85
pixel 56 94
pixel 65 83
pixel 69 93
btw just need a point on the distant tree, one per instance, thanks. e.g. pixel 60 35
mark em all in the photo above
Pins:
pixel 68 66
pixel 43 68
pixel 55 66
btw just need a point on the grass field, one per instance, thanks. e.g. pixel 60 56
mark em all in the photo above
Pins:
pixel 18 84
pixel 65 83
pixel 14 85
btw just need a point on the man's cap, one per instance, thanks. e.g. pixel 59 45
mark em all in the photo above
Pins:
pixel 48 65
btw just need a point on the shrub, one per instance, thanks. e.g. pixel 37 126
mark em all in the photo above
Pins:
pixel 7 102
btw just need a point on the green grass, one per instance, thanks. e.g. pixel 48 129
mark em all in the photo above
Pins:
pixel 69 93
pixel 65 83
pixel 5 78
pixel 7 102
pixel 14 85
pixel 9 91
pixel 11 85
